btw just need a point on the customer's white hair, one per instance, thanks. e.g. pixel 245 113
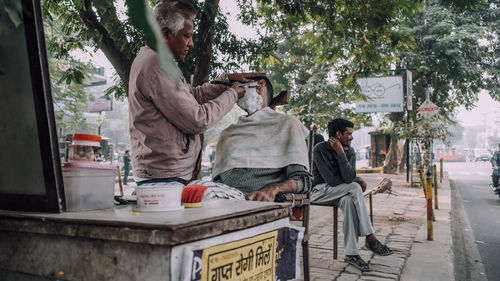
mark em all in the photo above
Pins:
pixel 171 14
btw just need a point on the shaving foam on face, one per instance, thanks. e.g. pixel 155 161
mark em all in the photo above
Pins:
pixel 251 101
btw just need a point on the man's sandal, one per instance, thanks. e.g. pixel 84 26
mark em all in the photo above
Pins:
pixel 358 263
pixel 379 248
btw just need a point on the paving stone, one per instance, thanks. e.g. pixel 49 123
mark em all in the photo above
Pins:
pixel 385 269
pixel 321 263
pixel 399 245
pixel 321 271
pixel 338 265
pixel 400 239
pixel 400 236
pixel 390 259
pixel 366 256
pixel 322 238
pixel 387 264
pixel 325 275
pixel 352 269
pixel 400 255
pixel 347 277
pixel 320 252
pixel 401 251
pixel 381 274
pixel 373 278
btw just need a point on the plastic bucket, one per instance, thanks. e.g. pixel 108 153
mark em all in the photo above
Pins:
pixel 88 186
pixel 159 198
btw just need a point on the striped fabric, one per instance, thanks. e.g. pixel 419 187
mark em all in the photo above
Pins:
pixel 248 180
pixel 217 190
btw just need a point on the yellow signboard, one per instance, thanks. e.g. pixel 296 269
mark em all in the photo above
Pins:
pixel 250 259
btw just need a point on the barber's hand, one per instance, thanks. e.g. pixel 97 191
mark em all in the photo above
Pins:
pixel 495 167
pixel 267 194
pixel 336 145
pixel 363 184
pixel 239 89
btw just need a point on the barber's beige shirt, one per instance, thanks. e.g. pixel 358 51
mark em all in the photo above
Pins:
pixel 161 115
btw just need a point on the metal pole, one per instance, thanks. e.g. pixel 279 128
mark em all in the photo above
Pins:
pixel 120 182
pixel 411 163
pixel 407 149
pixel 441 170
pixel 428 196
pixel 409 106
pixel 435 187
pixel 99 120
pixel 422 181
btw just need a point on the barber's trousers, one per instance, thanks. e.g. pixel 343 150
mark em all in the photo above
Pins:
pixel 349 197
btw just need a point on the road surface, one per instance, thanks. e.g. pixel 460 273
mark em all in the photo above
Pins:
pixel 482 207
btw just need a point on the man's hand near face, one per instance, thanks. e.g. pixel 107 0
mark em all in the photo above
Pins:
pixel 336 145
pixel 268 192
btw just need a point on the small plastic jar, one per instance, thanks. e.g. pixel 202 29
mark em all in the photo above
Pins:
pixel 82 147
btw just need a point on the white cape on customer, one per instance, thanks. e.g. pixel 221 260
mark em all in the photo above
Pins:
pixel 265 139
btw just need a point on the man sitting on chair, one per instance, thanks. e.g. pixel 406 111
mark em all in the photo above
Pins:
pixel 264 153
pixel 335 182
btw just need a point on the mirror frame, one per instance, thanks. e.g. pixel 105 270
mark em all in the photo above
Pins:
pixel 53 201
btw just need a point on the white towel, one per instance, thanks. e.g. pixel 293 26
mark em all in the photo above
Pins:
pixel 265 139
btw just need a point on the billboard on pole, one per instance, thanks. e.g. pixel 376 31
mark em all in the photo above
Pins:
pixel 101 104
pixel 385 94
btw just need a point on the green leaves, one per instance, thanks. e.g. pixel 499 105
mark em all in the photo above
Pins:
pixel 69 95
pixel 142 18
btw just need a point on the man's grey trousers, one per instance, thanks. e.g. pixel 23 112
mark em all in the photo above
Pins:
pixel 349 197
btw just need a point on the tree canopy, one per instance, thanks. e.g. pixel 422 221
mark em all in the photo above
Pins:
pixel 316 49
pixel 101 24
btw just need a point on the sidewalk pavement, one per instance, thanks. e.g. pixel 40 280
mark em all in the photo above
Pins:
pixel 399 221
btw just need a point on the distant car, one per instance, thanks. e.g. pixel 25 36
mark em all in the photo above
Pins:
pixel 482 155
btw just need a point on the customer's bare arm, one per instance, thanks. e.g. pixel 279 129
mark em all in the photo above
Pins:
pixel 269 192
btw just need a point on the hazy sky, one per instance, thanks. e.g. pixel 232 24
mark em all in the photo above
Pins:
pixel 486 110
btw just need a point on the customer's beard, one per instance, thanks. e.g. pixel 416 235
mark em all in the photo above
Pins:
pixel 251 101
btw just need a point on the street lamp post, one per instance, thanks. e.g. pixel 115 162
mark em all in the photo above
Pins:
pixel 99 120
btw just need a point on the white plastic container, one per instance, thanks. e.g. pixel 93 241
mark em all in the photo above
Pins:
pixel 159 198
pixel 88 186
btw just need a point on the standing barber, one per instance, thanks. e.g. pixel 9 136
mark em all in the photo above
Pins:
pixel 165 120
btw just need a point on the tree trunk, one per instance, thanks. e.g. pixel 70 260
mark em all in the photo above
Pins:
pixel 205 38
pixel 203 57
pixel 391 158
pixel 402 162
pixel 110 46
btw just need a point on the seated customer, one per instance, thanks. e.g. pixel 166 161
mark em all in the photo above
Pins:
pixel 264 153
pixel 335 182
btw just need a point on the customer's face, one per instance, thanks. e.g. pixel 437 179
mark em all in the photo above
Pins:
pixel 179 44
pixel 345 137
pixel 262 91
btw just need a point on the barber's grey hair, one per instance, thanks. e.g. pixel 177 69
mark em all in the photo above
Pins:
pixel 171 14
